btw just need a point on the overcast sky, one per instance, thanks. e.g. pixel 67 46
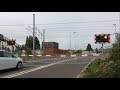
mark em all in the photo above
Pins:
pixel 59 26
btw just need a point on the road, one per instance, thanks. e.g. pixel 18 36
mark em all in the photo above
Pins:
pixel 51 68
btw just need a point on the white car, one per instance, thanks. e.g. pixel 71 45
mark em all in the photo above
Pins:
pixel 8 60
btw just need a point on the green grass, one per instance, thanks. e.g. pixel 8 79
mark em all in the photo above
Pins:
pixel 103 68
pixel 95 68
pixel 107 66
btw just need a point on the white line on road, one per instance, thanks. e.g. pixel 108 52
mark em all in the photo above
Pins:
pixel 31 65
pixel 34 69
pixel 85 67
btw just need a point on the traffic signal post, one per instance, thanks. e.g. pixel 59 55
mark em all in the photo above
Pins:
pixel 102 39
pixel 11 43
pixel 102 50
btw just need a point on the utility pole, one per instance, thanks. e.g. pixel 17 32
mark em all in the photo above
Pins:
pixel 75 44
pixel 116 34
pixel 43 39
pixel 75 47
pixel 33 36
pixel 115 28
pixel 43 35
pixel 119 21
pixel 70 42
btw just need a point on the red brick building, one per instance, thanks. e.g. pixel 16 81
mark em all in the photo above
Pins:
pixel 52 48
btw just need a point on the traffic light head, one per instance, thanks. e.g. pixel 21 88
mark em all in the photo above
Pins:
pixel 106 38
pixel 11 42
pixel 102 38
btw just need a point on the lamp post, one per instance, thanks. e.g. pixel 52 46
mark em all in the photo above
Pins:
pixel 75 44
pixel 70 42
pixel 70 39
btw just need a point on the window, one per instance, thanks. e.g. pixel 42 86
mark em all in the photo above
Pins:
pixel 6 54
pixel 1 54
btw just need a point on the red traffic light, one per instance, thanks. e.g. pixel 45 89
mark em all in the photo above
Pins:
pixel 102 38
pixel 11 42
pixel 106 38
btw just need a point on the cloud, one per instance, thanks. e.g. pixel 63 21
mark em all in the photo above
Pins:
pixel 60 32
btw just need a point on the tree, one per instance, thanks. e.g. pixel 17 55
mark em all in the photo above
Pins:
pixel 89 47
pixel 28 51
pixel 29 43
pixel 77 52
pixel 18 49
pixel 37 43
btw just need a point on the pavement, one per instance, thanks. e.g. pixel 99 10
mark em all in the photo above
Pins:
pixel 50 68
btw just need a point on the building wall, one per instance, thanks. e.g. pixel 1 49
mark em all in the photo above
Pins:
pixel 52 48
pixel 50 51
pixel 53 52
pixel 50 45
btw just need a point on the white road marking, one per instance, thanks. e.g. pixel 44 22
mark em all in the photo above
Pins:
pixel 84 55
pixel 31 65
pixel 34 69
pixel 75 58
pixel 74 63
pixel 85 67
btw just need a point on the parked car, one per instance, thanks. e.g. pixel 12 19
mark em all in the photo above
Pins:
pixel 9 60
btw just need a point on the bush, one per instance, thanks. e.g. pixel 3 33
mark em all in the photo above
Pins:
pixel 77 52
pixel 108 67
pixel 95 68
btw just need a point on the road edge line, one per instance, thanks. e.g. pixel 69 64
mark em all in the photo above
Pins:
pixel 85 67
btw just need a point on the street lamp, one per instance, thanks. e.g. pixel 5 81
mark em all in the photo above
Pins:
pixel 70 42
pixel 75 33
pixel 70 39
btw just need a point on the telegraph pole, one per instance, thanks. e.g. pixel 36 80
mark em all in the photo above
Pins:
pixel 119 21
pixel 33 36
pixel 43 40
pixel 115 28
pixel 70 43
pixel 43 35
pixel 115 31
pixel 119 26
pixel 116 34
